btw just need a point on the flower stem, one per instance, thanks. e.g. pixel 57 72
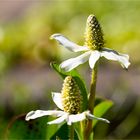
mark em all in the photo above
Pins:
pixel 71 132
pixel 91 101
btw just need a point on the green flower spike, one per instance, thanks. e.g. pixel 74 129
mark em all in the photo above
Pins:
pixel 93 48
pixel 71 97
pixel 69 101
pixel 93 35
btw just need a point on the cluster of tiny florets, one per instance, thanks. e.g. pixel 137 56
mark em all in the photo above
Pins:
pixel 71 96
pixel 93 35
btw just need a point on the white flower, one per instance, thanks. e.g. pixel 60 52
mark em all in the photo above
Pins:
pixel 89 54
pixel 62 115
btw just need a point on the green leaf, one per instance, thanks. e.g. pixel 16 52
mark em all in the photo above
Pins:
pixel 51 130
pixel 63 133
pixel 18 128
pixel 78 80
pixel 78 131
pixel 101 109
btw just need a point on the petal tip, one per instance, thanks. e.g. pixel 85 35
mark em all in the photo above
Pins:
pixel 49 123
pixel 55 35
pixel 27 118
pixel 52 94
pixel 62 67
pixel 125 66
pixel 107 121
pixel 51 37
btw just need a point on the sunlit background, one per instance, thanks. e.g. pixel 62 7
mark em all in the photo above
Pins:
pixel 26 78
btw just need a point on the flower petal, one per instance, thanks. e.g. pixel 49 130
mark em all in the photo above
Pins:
pixel 123 59
pixel 95 55
pixel 76 118
pixel 72 63
pixel 90 116
pixel 68 44
pixel 40 113
pixel 59 120
pixel 57 99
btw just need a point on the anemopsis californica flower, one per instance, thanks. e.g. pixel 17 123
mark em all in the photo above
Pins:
pixel 93 48
pixel 69 101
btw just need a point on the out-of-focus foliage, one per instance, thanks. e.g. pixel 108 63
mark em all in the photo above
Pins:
pixel 25 40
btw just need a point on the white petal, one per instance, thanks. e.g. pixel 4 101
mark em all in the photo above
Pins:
pixel 95 55
pixel 57 99
pixel 77 118
pixel 59 120
pixel 40 113
pixel 72 63
pixel 90 116
pixel 68 44
pixel 123 59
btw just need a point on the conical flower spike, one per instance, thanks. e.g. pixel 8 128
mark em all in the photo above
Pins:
pixel 93 35
pixel 71 96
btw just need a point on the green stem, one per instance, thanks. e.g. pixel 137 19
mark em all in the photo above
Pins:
pixel 71 132
pixel 91 101
pixel 82 124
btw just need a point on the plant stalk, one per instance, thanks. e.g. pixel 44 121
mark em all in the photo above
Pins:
pixel 91 101
pixel 71 132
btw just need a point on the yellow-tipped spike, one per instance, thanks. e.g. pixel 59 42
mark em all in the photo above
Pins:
pixel 93 35
pixel 71 97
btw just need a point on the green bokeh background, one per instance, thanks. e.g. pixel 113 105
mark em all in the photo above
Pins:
pixel 26 79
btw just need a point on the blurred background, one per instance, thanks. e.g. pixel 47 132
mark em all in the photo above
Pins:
pixel 26 78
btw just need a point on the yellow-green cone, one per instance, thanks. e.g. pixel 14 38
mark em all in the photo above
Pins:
pixel 93 35
pixel 71 97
